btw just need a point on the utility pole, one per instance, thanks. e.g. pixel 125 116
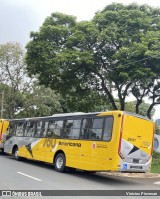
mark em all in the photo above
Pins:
pixel 2 104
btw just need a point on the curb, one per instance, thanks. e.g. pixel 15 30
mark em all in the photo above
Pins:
pixel 132 175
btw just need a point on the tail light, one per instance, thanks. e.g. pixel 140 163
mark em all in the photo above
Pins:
pixel 152 140
pixel 120 139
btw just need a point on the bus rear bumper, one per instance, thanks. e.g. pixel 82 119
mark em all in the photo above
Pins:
pixel 134 168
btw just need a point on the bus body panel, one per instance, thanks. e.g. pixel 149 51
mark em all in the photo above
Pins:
pixel 129 148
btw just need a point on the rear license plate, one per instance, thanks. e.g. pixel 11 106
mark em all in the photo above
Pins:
pixel 135 167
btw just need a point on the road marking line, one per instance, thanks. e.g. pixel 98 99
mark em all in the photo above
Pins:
pixel 29 176
pixel 157 182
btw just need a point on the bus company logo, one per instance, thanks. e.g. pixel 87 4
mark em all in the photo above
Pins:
pixel 101 146
pixel 70 144
pixel 131 139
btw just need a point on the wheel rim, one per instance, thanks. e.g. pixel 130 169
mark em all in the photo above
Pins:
pixel 59 162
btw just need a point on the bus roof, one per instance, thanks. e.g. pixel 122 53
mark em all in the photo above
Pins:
pixel 76 114
pixel 57 116
pixel 137 115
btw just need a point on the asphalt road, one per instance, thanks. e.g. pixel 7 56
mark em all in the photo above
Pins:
pixel 32 175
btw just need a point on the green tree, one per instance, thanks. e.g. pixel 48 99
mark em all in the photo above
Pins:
pixel 143 108
pixel 23 97
pixel 85 101
pixel 117 51
pixel 12 66
pixel 12 102
pixel 13 77
pixel 40 101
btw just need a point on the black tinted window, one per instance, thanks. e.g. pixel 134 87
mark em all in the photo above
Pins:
pixel 19 128
pixel 39 129
pixel 92 128
pixel 108 128
pixel 44 128
pixel 55 129
pixel 12 128
pixel 72 129
pixel 30 129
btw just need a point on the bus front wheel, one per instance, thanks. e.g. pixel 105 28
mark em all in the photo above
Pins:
pixel 2 151
pixel 15 153
pixel 60 163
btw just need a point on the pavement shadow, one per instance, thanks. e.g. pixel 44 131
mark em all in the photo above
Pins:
pixel 98 177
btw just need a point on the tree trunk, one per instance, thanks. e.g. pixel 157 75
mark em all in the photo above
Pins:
pixel 122 101
pixel 111 99
pixel 139 102
pixel 150 109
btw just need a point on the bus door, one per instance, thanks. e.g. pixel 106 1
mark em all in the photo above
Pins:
pixel 71 142
pixel 54 133
pixel 32 139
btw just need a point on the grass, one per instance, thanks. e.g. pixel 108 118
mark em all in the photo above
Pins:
pixel 155 167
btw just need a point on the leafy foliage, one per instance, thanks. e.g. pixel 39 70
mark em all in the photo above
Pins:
pixel 23 97
pixel 40 102
pixel 117 51
pixel 130 107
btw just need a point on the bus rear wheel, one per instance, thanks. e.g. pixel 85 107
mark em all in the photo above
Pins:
pixel 60 163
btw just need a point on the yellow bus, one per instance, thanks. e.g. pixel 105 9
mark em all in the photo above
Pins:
pixel 3 129
pixel 103 141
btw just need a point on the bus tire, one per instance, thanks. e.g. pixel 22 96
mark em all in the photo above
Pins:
pixel 60 163
pixel 2 151
pixel 15 153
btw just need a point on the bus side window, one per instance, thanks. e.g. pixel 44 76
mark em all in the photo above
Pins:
pixel 44 129
pixel 58 131
pixel 108 128
pixel 12 129
pixel 86 128
pixel 19 129
pixel 51 128
pixel 96 131
pixel 72 129
pixel 30 129
pixel 39 129
pixel 55 129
